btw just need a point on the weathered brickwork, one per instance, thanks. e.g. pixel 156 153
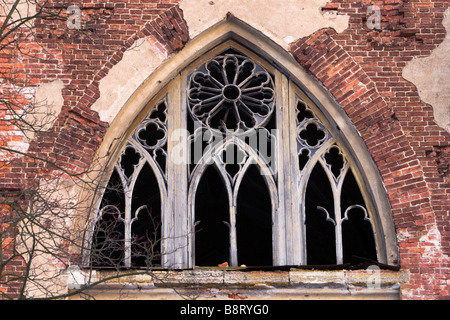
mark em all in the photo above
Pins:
pixel 360 67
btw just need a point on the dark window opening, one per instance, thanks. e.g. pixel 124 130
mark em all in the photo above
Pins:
pixel 109 239
pixel 212 235
pixel 109 243
pixel 146 229
pixel 357 233
pixel 107 249
pixel 254 220
pixel 320 227
pixel 303 158
pixel 312 134
pixel 129 159
pixel 335 160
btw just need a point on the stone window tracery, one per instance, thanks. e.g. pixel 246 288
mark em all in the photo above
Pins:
pixel 265 182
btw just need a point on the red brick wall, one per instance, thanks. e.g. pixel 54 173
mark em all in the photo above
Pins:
pixel 79 58
pixel 361 68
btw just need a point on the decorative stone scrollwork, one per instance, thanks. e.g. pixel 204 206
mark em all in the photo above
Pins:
pixel 335 160
pixel 323 166
pixel 152 135
pixel 310 132
pixel 233 159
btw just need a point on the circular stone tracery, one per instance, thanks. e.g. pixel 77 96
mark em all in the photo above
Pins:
pixel 231 92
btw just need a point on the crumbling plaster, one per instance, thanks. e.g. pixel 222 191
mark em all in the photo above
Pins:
pixel 124 78
pixel 431 75
pixel 45 107
pixel 284 21
pixel 23 9
pixel 38 115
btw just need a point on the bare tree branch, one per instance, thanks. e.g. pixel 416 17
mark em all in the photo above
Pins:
pixel 38 245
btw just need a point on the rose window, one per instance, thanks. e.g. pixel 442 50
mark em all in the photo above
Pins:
pixel 231 92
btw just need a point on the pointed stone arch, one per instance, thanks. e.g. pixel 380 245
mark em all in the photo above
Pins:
pixel 233 29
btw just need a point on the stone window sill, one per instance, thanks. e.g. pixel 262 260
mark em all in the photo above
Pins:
pixel 229 283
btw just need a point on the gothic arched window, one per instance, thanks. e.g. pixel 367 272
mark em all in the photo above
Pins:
pixel 233 164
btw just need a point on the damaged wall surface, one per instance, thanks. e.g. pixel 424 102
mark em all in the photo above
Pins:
pixel 431 75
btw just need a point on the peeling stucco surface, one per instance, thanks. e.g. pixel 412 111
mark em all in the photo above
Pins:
pixel 284 21
pixel 299 17
pixel 47 105
pixel 23 9
pixel 125 77
pixel 431 75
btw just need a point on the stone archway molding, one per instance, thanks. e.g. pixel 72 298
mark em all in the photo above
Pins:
pixel 124 115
